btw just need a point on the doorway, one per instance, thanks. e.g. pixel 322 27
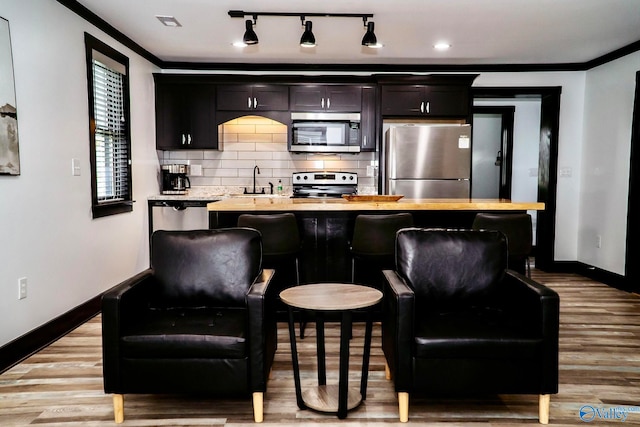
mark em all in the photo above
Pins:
pixel 547 159
pixel 492 158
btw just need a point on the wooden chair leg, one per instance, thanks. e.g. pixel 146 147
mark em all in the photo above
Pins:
pixel 258 408
pixel 403 406
pixel 118 408
pixel 387 371
pixel 543 410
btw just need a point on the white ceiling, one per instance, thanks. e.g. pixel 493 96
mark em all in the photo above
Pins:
pixel 480 31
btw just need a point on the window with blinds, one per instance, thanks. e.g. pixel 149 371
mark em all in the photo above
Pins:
pixel 107 74
pixel 112 153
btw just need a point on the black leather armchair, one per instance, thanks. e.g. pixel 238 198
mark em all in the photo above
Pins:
pixel 197 321
pixel 457 322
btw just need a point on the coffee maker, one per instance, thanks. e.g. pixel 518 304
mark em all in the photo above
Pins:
pixel 175 179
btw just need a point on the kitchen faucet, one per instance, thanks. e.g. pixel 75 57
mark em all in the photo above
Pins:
pixel 256 169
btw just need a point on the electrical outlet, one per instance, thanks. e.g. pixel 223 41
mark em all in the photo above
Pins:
pixel 598 241
pixel 22 288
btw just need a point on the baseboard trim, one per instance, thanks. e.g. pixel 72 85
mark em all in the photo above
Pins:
pixel 22 347
pixel 608 278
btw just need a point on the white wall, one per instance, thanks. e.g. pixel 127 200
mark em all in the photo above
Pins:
pixel 608 117
pixel 46 231
pixel 569 146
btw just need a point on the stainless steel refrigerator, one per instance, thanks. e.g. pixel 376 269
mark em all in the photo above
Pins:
pixel 427 161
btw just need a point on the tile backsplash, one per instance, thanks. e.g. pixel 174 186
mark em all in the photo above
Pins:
pixel 251 140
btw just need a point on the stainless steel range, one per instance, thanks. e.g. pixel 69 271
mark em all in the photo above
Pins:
pixel 324 184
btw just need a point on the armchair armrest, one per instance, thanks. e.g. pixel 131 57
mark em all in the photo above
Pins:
pixel 118 303
pixel 397 328
pixel 538 300
pixel 543 305
pixel 261 321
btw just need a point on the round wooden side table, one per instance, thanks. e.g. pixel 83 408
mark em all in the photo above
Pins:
pixel 322 298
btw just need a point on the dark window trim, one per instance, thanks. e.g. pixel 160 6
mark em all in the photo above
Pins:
pixel 109 208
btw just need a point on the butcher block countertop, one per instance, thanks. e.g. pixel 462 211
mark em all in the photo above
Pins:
pixel 282 203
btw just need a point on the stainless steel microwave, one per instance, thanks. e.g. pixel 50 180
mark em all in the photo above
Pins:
pixel 325 133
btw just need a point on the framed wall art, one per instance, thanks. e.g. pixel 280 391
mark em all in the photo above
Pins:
pixel 9 150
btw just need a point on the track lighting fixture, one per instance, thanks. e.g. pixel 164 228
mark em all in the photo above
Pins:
pixel 250 36
pixel 308 39
pixel 370 39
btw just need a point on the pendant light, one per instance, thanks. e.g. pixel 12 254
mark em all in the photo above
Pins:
pixel 250 36
pixel 307 39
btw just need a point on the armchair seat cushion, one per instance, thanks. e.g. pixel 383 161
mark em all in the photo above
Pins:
pixel 187 333
pixel 476 333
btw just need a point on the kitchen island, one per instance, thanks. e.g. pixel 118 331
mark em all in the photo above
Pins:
pixel 326 225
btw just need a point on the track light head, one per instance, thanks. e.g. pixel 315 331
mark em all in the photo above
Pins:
pixel 370 39
pixel 307 39
pixel 250 36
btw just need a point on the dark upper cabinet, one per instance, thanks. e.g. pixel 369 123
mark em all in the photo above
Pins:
pixel 254 97
pixel 185 116
pixel 327 98
pixel 425 100
pixel 368 119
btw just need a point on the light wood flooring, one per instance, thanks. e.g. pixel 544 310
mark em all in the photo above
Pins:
pixel 599 366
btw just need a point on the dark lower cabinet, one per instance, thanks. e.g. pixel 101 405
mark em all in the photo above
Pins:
pixel 326 256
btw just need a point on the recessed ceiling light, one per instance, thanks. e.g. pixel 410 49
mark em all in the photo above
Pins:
pixel 168 21
pixel 441 46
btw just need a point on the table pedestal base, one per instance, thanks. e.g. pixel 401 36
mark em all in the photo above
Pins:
pixel 324 398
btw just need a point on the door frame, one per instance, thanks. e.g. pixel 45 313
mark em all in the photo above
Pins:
pixel 506 144
pixel 547 161
pixel 632 253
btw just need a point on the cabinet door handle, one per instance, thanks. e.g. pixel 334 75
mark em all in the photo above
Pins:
pixel 328 103
pixel 428 107
pixel 184 139
pixel 189 139
pixel 249 102
pixel 422 107
pixel 255 103
pixel 364 141
pixel 322 103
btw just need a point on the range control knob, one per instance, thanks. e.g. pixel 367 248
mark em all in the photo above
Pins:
pixel 306 177
pixel 298 177
pixel 344 177
pixel 351 177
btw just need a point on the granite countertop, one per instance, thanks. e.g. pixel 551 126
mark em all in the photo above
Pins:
pixel 214 193
pixel 209 193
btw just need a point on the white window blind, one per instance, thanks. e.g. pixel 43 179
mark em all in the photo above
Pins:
pixel 111 147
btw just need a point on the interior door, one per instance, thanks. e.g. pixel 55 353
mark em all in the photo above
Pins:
pixel 491 165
